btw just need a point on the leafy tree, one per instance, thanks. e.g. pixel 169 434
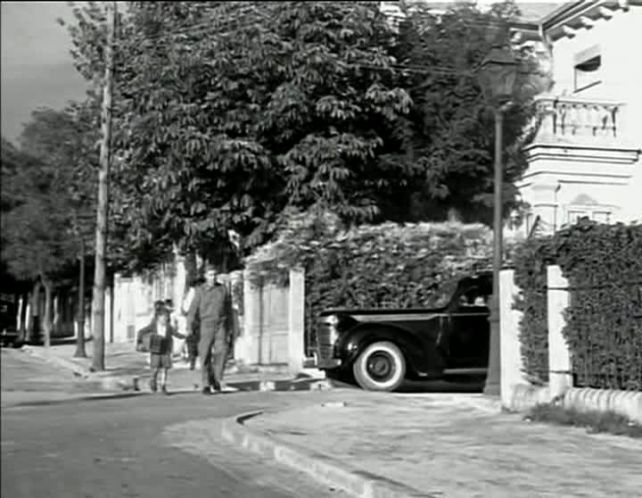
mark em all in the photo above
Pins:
pixel 229 115
pixel 51 197
pixel 65 141
pixel 33 247
pixel 14 162
pixel 271 106
pixel 450 129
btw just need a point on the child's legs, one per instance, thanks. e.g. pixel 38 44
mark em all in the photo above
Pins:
pixel 152 381
pixel 163 373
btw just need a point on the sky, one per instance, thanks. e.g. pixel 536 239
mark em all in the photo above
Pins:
pixel 37 68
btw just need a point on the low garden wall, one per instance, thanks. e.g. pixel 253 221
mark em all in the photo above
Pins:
pixel 571 332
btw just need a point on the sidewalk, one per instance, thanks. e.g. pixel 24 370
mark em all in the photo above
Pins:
pixel 440 445
pixel 126 369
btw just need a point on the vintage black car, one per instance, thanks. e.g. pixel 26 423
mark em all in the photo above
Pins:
pixel 382 347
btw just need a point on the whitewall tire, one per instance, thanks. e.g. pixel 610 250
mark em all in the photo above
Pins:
pixel 380 367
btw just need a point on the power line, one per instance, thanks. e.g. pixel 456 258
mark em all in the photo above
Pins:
pixel 429 69
pixel 215 27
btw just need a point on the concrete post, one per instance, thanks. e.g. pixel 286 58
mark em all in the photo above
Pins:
pixel 180 280
pixel 178 293
pixel 142 308
pixel 55 320
pixel 109 311
pixel 296 321
pixel 19 320
pixel 119 324
pixel 512 366
pixel 559 358
pixel 245 347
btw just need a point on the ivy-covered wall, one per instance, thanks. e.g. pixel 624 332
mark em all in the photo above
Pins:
pixel 603 265
pixel 530 261
pixel 388 265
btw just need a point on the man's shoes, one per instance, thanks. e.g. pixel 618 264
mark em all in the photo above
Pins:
pixel 206 391
pixel 164 390
pixel 153 386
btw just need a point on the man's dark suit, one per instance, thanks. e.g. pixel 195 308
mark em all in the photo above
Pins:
pixel 209 305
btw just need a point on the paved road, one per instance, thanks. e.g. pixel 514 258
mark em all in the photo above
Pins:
pixel 57 443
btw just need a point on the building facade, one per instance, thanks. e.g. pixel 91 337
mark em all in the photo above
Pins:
pixel 585 157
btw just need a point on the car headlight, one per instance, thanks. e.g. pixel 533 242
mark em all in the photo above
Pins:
pixel 332 320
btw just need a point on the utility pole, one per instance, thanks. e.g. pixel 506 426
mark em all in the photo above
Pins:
pixel 98 302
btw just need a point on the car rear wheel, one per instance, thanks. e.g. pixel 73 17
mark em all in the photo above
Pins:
pixel 380 367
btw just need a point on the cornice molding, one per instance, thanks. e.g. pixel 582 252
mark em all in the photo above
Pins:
pixel 571 17
pixel 611 154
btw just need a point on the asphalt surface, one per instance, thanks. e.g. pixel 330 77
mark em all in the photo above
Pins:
pixel 60 441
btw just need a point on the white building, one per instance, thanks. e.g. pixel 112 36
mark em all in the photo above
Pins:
pixel 585 158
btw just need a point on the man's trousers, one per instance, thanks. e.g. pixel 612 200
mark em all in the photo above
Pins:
pixel 212 348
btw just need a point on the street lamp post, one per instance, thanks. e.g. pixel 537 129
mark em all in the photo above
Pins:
pixel 497 77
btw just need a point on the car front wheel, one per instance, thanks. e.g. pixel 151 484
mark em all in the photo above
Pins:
pixel 380 367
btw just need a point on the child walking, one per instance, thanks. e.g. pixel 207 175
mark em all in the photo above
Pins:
pixel 159 335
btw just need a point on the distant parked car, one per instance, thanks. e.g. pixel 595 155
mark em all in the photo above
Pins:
pixel 382 347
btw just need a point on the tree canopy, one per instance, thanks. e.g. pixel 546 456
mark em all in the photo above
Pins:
pixel 450 127
pixel 48 185
pixel 229 115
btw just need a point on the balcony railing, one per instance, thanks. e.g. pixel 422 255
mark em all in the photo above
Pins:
pixel 570 118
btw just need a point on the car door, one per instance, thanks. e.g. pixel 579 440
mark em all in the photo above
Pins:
pixel 469 333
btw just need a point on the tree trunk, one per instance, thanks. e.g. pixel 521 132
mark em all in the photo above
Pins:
pixel 47 321
pixel 80 338
pixel 35 325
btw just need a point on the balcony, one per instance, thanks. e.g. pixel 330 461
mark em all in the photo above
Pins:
pixel 574 121
pixel 574 129
pixel 582 149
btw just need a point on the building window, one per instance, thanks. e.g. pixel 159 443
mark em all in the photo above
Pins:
pixel 574 216
pixel 588 69
pixel 601 216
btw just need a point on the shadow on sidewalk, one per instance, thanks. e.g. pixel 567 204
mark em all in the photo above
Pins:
pixel 55 341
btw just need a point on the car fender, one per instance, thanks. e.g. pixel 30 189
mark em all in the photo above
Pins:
pixel 420 360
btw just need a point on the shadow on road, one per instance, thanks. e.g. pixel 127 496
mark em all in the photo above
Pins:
pixel 442 386
pixel 75 399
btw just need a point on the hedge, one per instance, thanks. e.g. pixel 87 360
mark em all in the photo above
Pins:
pixel 530 261
pixel 603 265
pixel 383 266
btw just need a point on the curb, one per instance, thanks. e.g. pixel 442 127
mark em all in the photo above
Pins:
pixel 322 468
pixel 523 397
pixel 131 382
pixel 61 362
pixel 107 382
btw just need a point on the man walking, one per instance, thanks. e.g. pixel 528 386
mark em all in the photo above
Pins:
pixel 209 305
